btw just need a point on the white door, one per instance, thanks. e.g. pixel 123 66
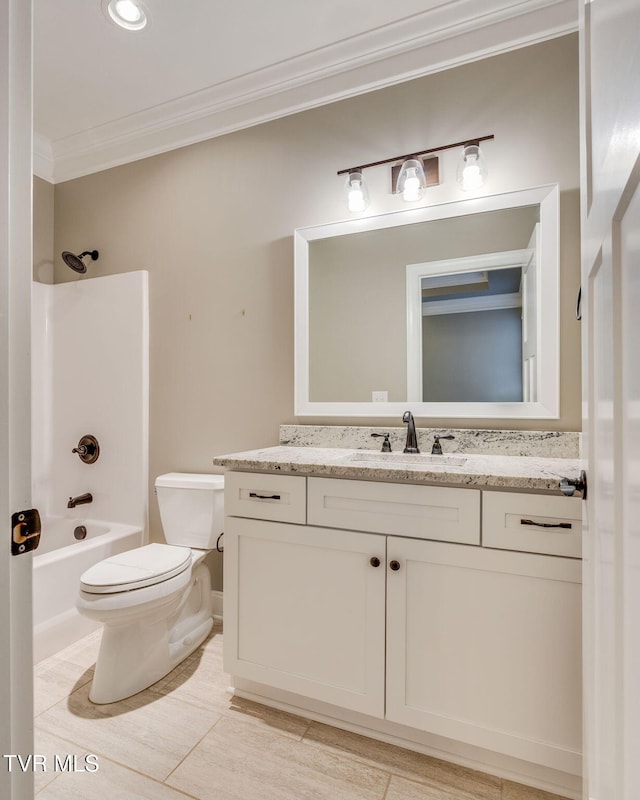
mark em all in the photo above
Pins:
pixel 610 129
pixel 16 704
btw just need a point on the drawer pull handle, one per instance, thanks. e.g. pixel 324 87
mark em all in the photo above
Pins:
pixel 264 496
pixel 374 561
pixel 546 524
pixel 394 565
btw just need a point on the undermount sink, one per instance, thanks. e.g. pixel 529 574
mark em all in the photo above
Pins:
pixel 416 459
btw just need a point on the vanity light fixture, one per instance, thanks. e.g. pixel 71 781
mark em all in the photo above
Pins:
pixel 413 173
pixel 411 181
pixel 357 192
pixel 472 168
pixel 127 14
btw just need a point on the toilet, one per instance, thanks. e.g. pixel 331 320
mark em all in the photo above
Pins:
pixel 155 601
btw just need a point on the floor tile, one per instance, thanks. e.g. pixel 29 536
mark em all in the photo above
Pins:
pixel 238 761
pixel 148 732
pixel 110 782
pixel 516 791
pixel 401 789
pixel 49 746
pixel 405 763
pixel 54 679
pixel 202 682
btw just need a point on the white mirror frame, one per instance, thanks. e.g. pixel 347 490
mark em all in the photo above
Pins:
pixel 547 406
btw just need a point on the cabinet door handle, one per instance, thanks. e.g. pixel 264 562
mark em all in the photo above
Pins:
pixel 264 496
pixel 374 561
pixel 394 565
pixel 546 524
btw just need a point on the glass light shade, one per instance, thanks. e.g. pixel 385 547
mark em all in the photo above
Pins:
pixel 411 181
pixel 127 14
pixel 472 168
pixel 356 192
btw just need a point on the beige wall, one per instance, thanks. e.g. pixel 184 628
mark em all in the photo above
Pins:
pixel 213 225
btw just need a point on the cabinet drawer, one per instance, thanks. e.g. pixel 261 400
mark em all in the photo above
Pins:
pixel 281 498
pixel 532 523
pixel 424 512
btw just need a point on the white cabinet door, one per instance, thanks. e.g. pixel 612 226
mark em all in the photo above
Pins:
pixel 305 611
pixel 483 646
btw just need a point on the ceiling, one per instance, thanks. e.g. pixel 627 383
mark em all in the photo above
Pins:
pixel 105 96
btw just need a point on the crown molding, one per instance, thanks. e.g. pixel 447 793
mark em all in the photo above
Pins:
pixel 450 35
pixel 42 158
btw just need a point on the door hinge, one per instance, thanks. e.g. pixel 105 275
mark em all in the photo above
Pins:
pixel 25 531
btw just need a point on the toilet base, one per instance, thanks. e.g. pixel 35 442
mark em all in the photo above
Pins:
pixel 135 655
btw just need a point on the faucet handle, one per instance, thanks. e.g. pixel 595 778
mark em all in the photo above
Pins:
pixel 436 450
pixel 386 445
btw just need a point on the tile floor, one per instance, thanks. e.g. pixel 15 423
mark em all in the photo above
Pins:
pixel 187 737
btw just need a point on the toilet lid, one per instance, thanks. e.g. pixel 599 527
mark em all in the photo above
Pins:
pixel 144 566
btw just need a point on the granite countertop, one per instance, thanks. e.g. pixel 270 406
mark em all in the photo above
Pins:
pixel 480 471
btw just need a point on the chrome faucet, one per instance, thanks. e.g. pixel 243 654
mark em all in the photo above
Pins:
pixel 411 445
pixel 436 450
pixel 80 500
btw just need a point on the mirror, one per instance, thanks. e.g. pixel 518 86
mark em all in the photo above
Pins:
pixel 450 311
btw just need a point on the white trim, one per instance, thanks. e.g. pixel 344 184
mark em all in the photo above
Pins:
pixel 505 259
pixel 449 35
pixel 42 158
pixel 416 309
pixel 217 599
pixel 548 404
pixel 442 281
pixel 464 305
pixel 16 266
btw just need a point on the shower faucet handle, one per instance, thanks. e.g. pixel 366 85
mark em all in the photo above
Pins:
pixel 88 449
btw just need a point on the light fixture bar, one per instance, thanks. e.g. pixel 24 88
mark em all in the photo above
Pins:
pixel 416 153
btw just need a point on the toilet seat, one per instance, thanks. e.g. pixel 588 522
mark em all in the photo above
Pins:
pixel 135 569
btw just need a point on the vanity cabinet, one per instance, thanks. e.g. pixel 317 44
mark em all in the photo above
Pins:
pixel 385 602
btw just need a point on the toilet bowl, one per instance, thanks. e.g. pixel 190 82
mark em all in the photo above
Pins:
pixel 155 602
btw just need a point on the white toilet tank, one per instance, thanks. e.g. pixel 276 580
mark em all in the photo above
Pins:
pixel 191 508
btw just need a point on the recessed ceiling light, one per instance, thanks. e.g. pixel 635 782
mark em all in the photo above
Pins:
pixel 127 14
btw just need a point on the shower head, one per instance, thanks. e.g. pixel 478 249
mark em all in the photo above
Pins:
pixel 75 262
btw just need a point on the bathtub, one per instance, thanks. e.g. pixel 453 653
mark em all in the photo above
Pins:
pixel 58 564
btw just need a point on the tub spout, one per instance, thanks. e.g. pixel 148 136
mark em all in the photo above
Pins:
pixel 80 500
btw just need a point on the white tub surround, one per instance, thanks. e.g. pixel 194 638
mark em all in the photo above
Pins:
pixel 545 444
pixel 57 566
pixel 432 603
pixel 482 471
pixel 91 367
pixel 90 370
